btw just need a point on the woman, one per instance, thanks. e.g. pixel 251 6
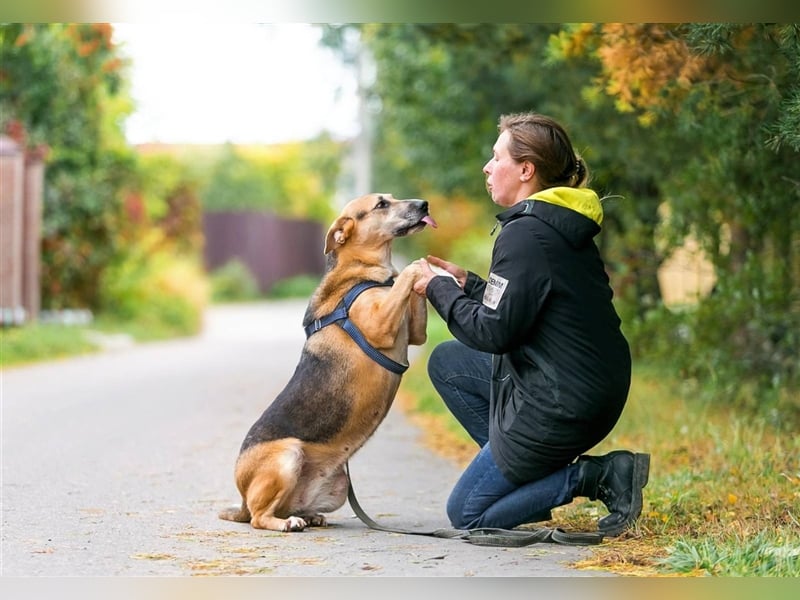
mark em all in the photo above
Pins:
pixel 539 371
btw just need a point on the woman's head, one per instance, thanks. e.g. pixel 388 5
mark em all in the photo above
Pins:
pixel 542 142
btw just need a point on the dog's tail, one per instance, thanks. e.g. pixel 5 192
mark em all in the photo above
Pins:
pixel 240 515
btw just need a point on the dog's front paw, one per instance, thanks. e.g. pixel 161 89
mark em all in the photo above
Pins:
pixel 412 272
pixel 294 524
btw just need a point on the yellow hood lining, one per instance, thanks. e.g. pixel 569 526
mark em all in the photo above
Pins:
pixel 582 200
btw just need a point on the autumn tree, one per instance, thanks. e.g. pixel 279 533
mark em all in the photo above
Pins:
pixel 727 99
pixel 61 85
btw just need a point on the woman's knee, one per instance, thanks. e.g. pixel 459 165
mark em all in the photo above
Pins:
pixel 440 362
pixel 455 513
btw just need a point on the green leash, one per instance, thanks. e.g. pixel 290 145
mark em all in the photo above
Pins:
pixel 484 536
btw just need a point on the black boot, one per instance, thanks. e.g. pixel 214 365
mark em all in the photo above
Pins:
pixel 617 480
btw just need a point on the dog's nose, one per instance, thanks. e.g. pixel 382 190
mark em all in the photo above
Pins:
pixel 423 205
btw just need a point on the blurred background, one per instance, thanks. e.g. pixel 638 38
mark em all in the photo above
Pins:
pixel 152 170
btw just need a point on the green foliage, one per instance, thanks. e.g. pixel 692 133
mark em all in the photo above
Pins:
pixel 765 554
pixel 441 88
pixel 82 220
pixel 736 194
pixel 300 286
pixel 21 345
pixel 233 282
pixel 166 198
pixel 293 180
pixel 753 335
pixel 155 287
pixel 62 87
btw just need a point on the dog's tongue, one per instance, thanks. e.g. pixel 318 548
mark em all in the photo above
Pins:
pixel 429 220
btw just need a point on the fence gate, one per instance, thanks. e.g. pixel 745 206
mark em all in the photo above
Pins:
pixel 21 186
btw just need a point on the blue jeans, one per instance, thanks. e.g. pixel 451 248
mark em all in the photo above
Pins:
pixel 483 496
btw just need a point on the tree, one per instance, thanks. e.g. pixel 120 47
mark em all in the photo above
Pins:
pixel 729 96
pixel 699 118
pixel 61 85
pixel 296 179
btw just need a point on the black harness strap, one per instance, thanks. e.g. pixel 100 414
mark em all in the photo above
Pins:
pixel 340 317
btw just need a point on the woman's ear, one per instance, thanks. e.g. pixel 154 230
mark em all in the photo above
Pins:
pixel 338 233
pixel 528 170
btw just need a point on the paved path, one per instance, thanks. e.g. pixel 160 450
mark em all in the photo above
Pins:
pixel 116 464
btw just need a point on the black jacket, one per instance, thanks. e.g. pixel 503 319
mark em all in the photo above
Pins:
pixel 561 366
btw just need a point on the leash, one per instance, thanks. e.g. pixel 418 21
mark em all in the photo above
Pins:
pixel 341 318
pixel 483 536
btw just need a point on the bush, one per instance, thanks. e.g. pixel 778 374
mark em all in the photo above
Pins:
pixel 300 286
pixel 233 282
pixel 160 290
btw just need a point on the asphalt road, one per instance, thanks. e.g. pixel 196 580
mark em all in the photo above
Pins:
pixel 116 464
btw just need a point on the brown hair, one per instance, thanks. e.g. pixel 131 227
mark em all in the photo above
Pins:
pixel 542 141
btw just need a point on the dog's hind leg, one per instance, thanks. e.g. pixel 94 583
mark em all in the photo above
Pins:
pixel 272 482
pixel 263 500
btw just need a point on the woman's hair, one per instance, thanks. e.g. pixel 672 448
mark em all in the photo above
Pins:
pixel 542 141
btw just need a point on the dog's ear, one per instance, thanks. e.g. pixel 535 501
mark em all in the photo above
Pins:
pixel 338 233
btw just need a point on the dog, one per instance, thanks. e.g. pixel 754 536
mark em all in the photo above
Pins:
pixel 291 465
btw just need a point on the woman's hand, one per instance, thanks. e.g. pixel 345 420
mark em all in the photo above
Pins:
pixel 433 266
pixel 457 272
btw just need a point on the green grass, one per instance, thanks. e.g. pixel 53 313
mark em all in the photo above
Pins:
pixel 765 553
pixel 724 491
pixel 37 342
pixel 21 345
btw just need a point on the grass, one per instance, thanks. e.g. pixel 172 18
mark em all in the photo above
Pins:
pixel 36 342
pixel 724 492
pixel 21 345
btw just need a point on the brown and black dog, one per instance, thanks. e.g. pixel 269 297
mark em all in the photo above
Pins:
pixel 290 467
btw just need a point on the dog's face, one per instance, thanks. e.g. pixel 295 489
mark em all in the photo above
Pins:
pixel 374 220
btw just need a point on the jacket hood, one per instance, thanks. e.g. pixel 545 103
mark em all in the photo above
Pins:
pixel 576 213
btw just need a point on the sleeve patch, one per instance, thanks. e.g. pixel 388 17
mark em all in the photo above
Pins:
pixel 495 288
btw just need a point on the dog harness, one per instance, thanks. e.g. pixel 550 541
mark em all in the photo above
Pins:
pixel 341 318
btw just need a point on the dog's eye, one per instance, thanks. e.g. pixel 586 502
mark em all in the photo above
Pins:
pixel 382 203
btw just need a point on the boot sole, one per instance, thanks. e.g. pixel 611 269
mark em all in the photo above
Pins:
pixel 641 475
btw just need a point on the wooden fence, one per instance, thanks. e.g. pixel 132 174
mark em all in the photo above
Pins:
pixel 21 188
pixel 273 248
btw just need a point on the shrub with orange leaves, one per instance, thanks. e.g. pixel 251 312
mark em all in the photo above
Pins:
pixel 642 61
